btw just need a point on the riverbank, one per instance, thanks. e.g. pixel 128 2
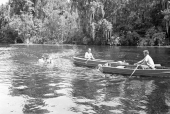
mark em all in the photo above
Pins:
pixel 83 45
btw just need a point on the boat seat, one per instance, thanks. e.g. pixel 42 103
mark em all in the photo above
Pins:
pixel 120 67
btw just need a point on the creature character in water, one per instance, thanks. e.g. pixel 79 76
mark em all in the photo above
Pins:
pixel 45 59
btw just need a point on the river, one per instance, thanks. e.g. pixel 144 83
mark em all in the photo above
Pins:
pixel 29 87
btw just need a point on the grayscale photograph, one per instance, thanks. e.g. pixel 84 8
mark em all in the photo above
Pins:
pixel 84 56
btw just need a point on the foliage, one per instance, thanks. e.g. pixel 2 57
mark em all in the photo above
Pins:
pixel 153 37
pixel 4 29
pixel 23 25
pixel 92 22
pixel 114 40
pixel 130 39
pixel 49 23
pixel 114 22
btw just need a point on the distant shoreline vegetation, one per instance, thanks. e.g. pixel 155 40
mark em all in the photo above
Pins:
pixel 165 46
pixel 86 22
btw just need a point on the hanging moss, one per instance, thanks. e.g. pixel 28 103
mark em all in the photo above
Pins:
pixel 92 21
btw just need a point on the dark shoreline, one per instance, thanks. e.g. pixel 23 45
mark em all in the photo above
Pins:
pixel 82 45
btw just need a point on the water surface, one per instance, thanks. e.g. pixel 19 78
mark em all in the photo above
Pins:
pixel 28 87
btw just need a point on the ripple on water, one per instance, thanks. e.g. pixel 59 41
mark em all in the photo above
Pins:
pixel 50 95
pixel 117 111
pixel 87 109
pixel 113 103
pixel 22 87
pixel 84 100
pixel 53 84
pixel 65 91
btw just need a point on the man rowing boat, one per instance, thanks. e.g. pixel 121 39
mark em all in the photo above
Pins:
pixel 147 62
pixel 89 55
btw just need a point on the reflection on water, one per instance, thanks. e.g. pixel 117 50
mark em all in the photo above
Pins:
pixel 28 87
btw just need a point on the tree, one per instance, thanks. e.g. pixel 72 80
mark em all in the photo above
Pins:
pixel 92 22
pixel 87 21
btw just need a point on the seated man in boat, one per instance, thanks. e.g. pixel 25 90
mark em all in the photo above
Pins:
pixel 89 55
pixel 147 62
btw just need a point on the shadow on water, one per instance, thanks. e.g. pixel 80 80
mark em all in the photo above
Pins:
pixel 114 95
pixel 28 87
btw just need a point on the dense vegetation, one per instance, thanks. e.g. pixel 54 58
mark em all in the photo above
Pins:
pixel 113 22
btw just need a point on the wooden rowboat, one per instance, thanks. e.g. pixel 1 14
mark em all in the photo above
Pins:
pixel 94 63
pixel 127 70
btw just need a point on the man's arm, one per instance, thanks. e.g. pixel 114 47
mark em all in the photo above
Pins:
pixel 92 56
pixel 140 62
pixel 86 56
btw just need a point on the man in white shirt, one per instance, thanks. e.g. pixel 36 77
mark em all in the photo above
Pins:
pixel 89 55
pixel 147 62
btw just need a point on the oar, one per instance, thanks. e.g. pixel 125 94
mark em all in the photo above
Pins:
pixel 134 71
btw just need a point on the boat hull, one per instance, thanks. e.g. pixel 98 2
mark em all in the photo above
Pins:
pixel 94 63
pixel 138 72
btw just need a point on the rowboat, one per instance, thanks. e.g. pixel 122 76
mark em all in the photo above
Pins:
pixel 95 62
pixel 128 70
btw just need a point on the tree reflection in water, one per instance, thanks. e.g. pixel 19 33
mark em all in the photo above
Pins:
pixel 125 97
pixel 159 98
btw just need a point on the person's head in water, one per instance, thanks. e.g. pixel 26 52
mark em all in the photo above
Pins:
pixel 146 52
pixel 45 57
pixel 89 50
